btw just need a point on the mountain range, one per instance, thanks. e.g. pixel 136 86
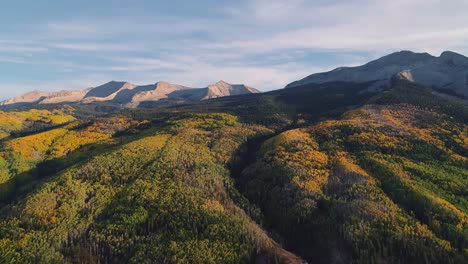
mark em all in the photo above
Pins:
pixel 131 95
pixel 359 165
pixel 448 72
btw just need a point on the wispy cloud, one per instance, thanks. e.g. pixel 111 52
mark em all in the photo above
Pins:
pixel 144 64
pixel 95 46
pixel 263 43
pixel 13 60
pixel 20 46
pixel 362 24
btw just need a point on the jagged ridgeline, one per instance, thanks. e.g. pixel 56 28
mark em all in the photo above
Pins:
pixel 128 95
pixel 336 172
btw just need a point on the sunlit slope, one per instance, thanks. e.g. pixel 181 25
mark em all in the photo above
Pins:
pixel 166 196
pixel 25 159
pixel 31 121
pixel 388 182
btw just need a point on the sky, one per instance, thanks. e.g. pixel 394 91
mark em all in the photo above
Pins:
pixel 54 45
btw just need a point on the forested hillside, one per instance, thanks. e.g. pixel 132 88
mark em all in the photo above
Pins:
pixel 31 121
pixel 388 182
pixel 321 173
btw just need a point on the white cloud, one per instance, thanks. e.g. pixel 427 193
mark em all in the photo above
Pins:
pixel 18 46
pixel 14 60
pixel 146 64
pixel 359 25
pixel 93 46
pixel 261 43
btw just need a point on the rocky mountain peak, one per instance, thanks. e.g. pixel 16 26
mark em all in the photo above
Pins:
pixel 448 71
pixel 453 58
pixel 451 55
pixel 131 95
pixel 221 82
pixel 109 88
pixel 401 58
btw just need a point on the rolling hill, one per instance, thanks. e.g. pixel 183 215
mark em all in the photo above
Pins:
pixel 322 172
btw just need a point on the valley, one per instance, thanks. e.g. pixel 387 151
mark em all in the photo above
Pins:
pixel 345 175
pixel 333 172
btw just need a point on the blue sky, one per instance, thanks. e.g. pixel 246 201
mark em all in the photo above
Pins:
pixel 53 45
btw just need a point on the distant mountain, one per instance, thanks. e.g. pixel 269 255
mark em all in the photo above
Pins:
pixel 448 71
pixel 107 92
pixel 64 97
pixel 149 93
pixel 131 95
pixel 27 98
pixel 221 89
